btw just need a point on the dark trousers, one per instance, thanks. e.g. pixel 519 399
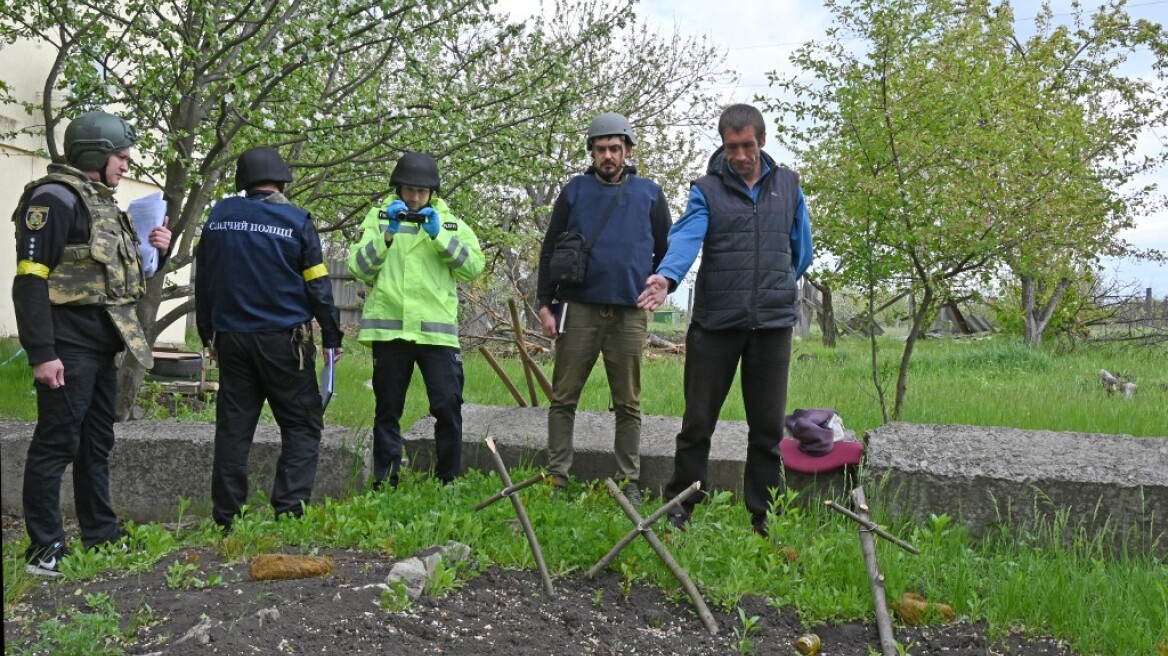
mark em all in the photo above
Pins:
pixel 253 367
pixel 393 367
pixel 75 425
pixel 711 358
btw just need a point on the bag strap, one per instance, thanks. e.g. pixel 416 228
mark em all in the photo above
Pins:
pixel 607 213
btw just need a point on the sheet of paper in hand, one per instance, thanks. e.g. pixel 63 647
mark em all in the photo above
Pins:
pixel 147 213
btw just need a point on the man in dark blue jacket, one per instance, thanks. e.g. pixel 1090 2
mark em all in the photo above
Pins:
pixel 260 280
pixel 604 315
pixel 749 217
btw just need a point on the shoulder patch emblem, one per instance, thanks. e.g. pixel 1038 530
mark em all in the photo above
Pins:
pixel 450 225
pixel 36 217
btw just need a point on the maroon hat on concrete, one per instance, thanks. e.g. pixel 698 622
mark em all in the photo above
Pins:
pixel 812 447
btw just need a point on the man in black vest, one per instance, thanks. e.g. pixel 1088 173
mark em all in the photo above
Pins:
pixel 260 280
pixel 748 215
pixel 628 217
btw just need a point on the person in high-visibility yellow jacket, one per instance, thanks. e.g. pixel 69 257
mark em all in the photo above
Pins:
pixel 412 254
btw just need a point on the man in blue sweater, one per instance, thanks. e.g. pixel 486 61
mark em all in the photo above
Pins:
pixel 748 215
pixel 605 314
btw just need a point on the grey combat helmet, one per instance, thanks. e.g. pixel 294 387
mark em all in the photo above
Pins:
pixel 92 137
pixel 610 124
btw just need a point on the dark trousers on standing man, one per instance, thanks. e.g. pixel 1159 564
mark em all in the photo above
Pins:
pixel 75 425
pixel 393 367
pixel 711 358
pixel 279 367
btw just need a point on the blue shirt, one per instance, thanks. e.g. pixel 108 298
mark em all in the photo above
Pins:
pixel 686 236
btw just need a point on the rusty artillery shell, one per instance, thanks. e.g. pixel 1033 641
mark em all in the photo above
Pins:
pixel 807 644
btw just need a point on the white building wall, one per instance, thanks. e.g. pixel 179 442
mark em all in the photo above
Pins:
pixel 24 66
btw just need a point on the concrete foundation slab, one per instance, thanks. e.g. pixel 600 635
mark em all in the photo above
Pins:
pixel 1102 484
pixel 155 463
pixel 1110 485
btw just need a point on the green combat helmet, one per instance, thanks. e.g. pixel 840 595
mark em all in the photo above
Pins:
pixel 92 137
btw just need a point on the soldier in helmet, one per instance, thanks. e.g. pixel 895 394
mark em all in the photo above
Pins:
pixel 260 281
pixel 626 220
pixel 78 278
pixel 412 253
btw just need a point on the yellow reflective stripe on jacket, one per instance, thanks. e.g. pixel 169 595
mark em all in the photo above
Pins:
pixel 312 273
pixel 441 328
pixel 456 254
pixel 30 268
pixel 381 324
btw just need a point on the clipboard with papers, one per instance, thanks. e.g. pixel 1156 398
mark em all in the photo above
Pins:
pixel 147 213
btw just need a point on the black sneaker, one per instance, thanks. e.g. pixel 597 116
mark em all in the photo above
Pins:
pixel 759 526
pixel 385 483
pixel 46 561
pixel 633 493
pixel 119 542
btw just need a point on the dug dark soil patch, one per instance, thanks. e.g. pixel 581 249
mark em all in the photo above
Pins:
pixel 500 612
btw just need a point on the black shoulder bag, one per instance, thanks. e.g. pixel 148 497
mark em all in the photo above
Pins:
pixel 569 261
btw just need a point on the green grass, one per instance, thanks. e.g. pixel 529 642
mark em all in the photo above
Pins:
pixel 985 382
pixel 1080 591
pixel 1097 601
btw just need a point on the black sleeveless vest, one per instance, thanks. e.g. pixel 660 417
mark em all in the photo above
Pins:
pixel 746 281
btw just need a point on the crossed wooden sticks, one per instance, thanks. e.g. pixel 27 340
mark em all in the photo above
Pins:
pixel 875 578
pixel 644 527
pixel 509 491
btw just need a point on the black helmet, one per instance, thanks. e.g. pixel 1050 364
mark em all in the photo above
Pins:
pixel 258 165
pixel 92 137
pixel 415 170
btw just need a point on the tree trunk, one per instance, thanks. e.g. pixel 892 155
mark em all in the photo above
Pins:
pixel 826 314
pixel 923 307
pixel 131 373
pixel 1035 317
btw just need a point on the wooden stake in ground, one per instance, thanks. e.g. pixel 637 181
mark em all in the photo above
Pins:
pixel 509 491
pixel 645 527
pixel 503 376
pixel 875 578
pixel 521 344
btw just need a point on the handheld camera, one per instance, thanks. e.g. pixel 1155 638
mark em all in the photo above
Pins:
pixel 404 217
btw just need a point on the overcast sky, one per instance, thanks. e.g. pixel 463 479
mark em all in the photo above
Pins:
pixel 758 36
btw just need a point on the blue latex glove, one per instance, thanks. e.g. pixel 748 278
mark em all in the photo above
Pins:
pixel 395 208
pixel 431 225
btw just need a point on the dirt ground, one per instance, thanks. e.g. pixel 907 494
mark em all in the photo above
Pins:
pixel 500 612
